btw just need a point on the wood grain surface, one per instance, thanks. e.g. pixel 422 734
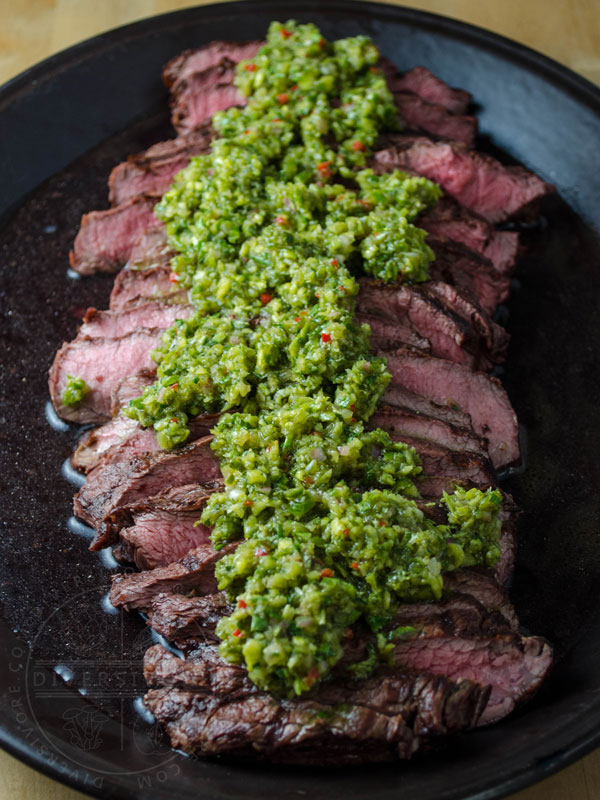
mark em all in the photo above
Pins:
pixel 566 30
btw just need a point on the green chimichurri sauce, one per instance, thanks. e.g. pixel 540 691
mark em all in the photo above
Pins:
pixel 75 390
pixel 270 230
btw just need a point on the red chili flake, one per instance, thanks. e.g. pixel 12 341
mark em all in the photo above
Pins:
pixel 242 604
pixel 281 220
pixel 313 675
pixel 327 573
pixel 260 551
pixel 282 98
pixel 174 386
pixel 308 481
pixel 342 288
pixel 294 88
pixel 373 69
pixel 358 145
pixel 365 203
pixel 265 298
pixel 317 295
pixel 248 503
pixel 353 408
pixel 382 523
pixel 325 337
pixel 247 131
pixel 173 277
pixel 346 532
pixel 334 262
pixel 237 632
pixel 349 633
pixel 354 565
pixel 174 419
pixel 250 67
pixel 324 169
pixel 285 33
pixel 276 119
pixel 322 43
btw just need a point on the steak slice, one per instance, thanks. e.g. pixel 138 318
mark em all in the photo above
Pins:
pixel 433 119
pixel 400 422
pixel 480 395
pixel 197 97
pixel 389 715
pixel 388 334
pixel 122 482
pixel 134 286
pixel 423 82
pixel 96 443
pixel 152 171
pixel 102 363
pixel 129 388
pixel 106 238
pixel 477 181
pixel 514 666
pixel 191 61
pixel 400 396
pixel 176 616
pixel 448 220
pixel 115 324
pixel 150 249
pixel 473 274
pixel 457 468
pixel 163 528
pixel 194 571
pixel 454 327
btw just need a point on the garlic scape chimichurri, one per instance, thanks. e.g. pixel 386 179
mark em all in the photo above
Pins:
pixel 270 230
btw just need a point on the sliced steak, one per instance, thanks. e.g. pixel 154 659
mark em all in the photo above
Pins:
pixel 115 324
pixel 387 334
pixel 454 327
pixel 106 238
pixel 397 395
pixel 122 482
pixel 399 422
pixel 130 388
pixel 423 82
pixel 433 119
pixel 512 665
pixel 134 286
pixel 163 528
pixel 150 249
pixel 387 716
pixel 153 171
pixel 176 616
pixel 477 181
pixel 448 220
pixel 191 61
pixel 480 395
pixel 469 272
pixel 196 98
pixel 102 363
pixel 194 571
pixel 457 469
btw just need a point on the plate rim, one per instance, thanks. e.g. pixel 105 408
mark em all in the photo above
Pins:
pixel 577 86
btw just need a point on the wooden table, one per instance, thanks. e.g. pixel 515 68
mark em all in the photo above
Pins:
pixel 566 30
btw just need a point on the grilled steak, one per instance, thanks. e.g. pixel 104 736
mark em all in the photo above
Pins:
pixel 132 287
pixel 455 328
pixel 477 181
pixel 176 616
pixel 163 528
pixel 191 61
pixel 448 220
pixel 115 324
pixel 102 363
pixel 152 172
pixel 434 119
pixel 123 482
pixel 194 571
pixel 197 97
pixel 390 715
pixel 106 238
pixel 481 396
pixel 423 82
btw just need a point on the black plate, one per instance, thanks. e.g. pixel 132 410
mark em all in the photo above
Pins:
pixel 103 98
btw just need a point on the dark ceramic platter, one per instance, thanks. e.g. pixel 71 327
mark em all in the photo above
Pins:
pixel 70 673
